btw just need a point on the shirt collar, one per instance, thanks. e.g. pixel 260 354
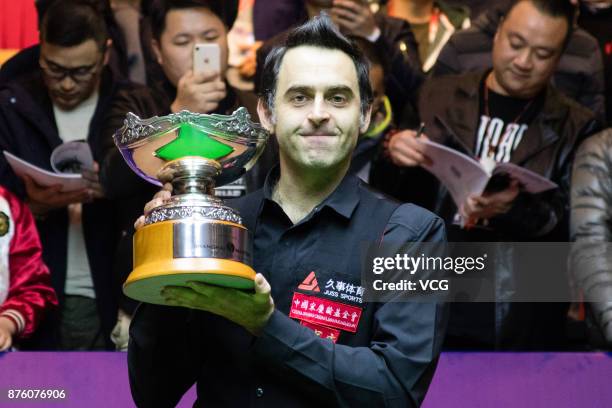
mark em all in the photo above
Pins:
pixel 343 200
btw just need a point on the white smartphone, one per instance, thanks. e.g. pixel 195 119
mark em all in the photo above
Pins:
pixel 206 57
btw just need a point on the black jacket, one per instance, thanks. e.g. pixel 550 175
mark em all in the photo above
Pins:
pixel 579 75
pixel 28 130
pixel 449 106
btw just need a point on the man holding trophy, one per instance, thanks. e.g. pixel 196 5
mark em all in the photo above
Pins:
pixel 247 347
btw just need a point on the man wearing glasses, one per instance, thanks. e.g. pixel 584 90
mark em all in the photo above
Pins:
pixel 66 100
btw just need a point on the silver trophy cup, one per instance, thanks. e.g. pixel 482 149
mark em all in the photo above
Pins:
pixel 194 236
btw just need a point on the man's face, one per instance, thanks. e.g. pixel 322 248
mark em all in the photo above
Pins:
pixel 526 49
pixel 317 108
pixel 185 28
pixel 71 74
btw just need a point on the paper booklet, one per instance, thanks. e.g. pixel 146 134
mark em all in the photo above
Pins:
pixel 67 162
pixel 463 175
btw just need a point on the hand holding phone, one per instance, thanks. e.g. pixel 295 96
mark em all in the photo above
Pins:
pixel 201 89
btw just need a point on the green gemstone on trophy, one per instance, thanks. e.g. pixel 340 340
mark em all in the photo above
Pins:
pixel 191 141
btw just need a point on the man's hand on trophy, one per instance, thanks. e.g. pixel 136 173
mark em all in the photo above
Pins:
pixel 158 199
pixel 250 310
pixel 199 92
pixel 41 199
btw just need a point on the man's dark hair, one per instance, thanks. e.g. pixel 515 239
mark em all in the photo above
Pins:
pixel 554 8
pixel 102 6
pixel 68 23
pixel 158 9
pixel 317 32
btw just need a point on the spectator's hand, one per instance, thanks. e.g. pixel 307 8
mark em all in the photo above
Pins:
pixel 249 310
pixel 158 199
pixel 7 331
pixel 249 63
pixel 353 18
pixel 200 92
pixel 489 205
pixel 95 188
pixel 406 150
pixel 120 334
pixel 41 200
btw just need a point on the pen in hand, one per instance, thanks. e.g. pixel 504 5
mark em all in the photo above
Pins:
pixel 420 130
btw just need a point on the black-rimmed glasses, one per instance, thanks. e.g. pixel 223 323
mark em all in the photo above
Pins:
pixel 78 75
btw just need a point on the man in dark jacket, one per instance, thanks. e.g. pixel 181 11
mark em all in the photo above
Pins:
pixel 65 100
pixel 311 345
pixel 510 114
pixel 579 72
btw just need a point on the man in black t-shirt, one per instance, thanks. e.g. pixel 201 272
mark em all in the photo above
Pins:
pixel 509 114
pixel 502 124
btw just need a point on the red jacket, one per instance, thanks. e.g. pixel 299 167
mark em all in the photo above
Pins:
pixel 25 282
